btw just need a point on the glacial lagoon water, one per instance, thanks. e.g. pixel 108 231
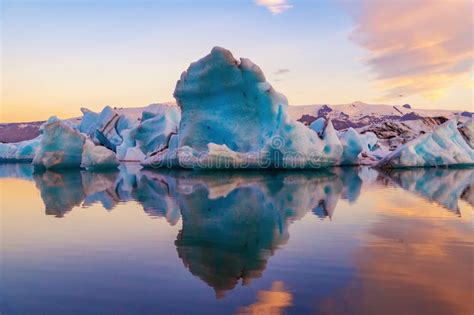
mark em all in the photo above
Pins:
pixel 338 241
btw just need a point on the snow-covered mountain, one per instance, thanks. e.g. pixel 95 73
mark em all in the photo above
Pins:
pixel 359 114
pixel 392 124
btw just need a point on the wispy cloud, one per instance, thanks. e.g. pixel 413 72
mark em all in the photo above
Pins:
pixel 281 71
pixel 418 46
pixel 275 6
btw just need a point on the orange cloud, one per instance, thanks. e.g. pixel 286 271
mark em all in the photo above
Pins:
pixel 416 47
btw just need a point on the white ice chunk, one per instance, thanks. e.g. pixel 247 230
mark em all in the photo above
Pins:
pixel 96 157
pixel 369 141
pixel 105 128
pixel 158 125
pixel 352 145
pixel 156 129
pixel 128 150
pixel 318 125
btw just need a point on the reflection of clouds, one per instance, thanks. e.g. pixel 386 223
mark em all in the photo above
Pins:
pixel 409 266
pixel 269 302
pixel 443 186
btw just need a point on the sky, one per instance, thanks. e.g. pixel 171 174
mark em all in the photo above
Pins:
pixel 60 55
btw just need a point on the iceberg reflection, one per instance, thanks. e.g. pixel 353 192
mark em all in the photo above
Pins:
pixel 60 191
pixel 233 222
pixel 170 193
pixel 443 186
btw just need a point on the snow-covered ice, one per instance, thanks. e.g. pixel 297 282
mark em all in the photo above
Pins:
pixel 359 148
pixel 352 147
pixel 318 125
pixel 467 131
pixel 96 157
pixel 23 151
pixel 60 145
pixel 105 127
pixel 129 150
pixel 158 123
pixel 156 128
pixel 443 147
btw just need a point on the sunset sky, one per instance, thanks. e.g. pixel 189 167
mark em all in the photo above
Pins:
pixel 59 55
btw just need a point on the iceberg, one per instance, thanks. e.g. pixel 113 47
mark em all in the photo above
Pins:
pixel 360 148
pixel 158 123
pixel 369 141
pixel 318 125
pixel 444 146
pixel 129 150
pixel 23 151
pixel 60 146
pixel 95 157
pixel 155 130
pixel 231 117
pixel 352 146
pixel 88 122
pixel 467 131
pixel 105 128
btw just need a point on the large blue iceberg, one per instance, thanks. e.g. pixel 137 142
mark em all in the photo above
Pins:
pixel 232 118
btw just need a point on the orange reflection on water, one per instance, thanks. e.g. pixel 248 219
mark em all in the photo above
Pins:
pixel 411 262
pixel 270 302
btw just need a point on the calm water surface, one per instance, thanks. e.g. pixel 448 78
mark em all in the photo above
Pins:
pixel 342 241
